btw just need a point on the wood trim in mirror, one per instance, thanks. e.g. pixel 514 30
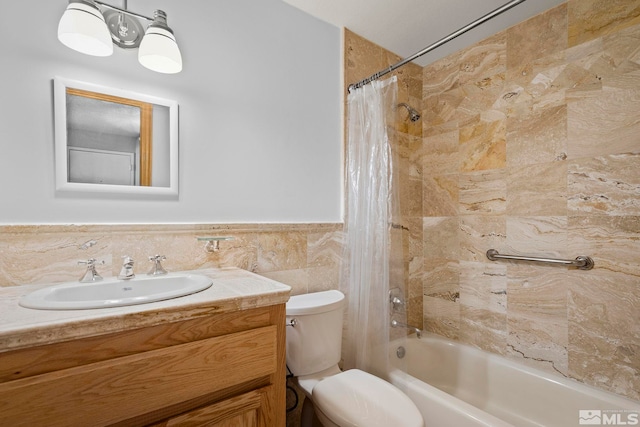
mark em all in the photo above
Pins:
pixel 146 136
pixel 146 127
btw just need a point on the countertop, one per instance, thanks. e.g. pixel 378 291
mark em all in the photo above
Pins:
pixel 232 289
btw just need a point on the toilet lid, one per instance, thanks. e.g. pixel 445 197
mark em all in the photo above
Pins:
pixel 357 398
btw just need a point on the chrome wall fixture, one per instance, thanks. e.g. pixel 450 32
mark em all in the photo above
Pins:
pixel 213 243
pixel 581 262
pixel 414 116
pixel 86 28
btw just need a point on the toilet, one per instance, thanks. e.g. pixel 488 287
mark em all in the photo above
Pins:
pixel 349 398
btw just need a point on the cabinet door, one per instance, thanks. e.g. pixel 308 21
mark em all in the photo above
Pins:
pixel 238 411
pixel 115 390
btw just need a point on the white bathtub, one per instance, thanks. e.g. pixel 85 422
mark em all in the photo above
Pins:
pixel 455 385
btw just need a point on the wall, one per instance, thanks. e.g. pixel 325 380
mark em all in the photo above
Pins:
pixel 161 157
pixel 532 147
pixel 259 123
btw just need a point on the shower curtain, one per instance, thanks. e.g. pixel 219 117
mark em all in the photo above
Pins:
pixel 370 267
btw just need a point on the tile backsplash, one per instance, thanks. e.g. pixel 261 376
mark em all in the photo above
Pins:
pixel 303 256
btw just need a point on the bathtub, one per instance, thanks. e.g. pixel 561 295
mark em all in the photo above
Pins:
pixel 455 385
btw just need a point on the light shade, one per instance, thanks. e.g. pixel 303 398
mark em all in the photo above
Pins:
pixel 83 28
pixel 158 50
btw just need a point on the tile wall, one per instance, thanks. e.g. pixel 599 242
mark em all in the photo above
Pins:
pixel 532 147
pixel 303 256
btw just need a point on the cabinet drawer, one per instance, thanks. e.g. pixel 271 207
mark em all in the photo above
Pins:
pixel 242 410
pixel 114 390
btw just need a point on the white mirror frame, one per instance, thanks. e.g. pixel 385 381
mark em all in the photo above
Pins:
pixel 60 86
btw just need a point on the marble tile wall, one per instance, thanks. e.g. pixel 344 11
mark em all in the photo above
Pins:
pixel 532 146
pixel 303 256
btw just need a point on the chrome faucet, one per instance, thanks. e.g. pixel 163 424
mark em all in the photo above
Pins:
pixel 396 324
pixel 126 273
pixel 157 268
pixel 91 275
pixel 396 300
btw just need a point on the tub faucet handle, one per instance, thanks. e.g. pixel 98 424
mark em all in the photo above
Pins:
pixel 396 300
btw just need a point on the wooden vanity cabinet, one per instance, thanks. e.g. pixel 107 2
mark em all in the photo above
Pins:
pixel 225 369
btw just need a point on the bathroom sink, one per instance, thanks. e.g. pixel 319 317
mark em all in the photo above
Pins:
pixel 113 292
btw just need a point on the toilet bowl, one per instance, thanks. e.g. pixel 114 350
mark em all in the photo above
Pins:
pixel 342 399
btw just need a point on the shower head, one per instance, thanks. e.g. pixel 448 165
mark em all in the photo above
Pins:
pixel 414 116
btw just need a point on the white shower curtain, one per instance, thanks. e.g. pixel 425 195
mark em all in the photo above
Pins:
pixel 369 211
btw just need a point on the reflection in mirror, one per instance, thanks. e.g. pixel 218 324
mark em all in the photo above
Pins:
pixel 112 141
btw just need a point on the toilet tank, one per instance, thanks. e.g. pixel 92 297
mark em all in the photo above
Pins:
pixel 315 342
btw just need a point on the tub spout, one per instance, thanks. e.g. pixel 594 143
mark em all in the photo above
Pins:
pixel 396 324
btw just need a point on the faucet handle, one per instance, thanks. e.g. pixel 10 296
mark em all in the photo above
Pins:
pixel 126 273
pixel 157 268
pixel 91 275
pixel 91 262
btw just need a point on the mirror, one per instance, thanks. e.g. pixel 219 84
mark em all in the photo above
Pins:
pixel 114 142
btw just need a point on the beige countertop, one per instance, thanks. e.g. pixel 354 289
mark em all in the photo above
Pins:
pixel 232 289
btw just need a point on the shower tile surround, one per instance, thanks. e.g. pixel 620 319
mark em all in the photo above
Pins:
pixel 530 144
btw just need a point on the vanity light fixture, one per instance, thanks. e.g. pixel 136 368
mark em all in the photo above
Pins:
pixel 86 28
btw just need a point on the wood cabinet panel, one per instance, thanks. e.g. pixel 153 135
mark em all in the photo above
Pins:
pixel 113 390
pixel 31 361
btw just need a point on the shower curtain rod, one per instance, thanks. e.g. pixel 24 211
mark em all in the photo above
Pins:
pixel 437 44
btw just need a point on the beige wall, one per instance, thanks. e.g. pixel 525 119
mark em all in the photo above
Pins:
pixel 303 256
pixel 530 145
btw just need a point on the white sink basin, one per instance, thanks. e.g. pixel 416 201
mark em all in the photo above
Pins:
pixel 112 292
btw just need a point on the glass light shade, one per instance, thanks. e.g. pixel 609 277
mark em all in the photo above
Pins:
pixel 83 28
pixel 159 51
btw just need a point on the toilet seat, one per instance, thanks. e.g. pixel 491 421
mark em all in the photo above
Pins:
pixel 308 382
pixel 357 398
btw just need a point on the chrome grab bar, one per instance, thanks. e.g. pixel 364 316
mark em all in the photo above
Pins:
pixel 581 262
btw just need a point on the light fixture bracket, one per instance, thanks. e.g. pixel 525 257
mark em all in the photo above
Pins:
pixel 126 31
pixel 121 10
